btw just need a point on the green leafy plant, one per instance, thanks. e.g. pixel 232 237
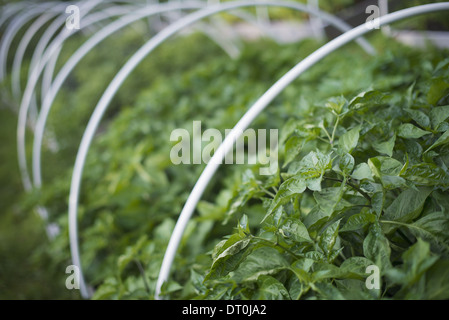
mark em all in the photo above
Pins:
pixel 362 182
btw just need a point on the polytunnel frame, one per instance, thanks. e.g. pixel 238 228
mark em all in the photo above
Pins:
pixel 36 71
pixel 23 45
pixel 85 7
pixel 121 76
pixel 258 107
pixel 51 64
pixel 52 228
pixel 29 92
pixel 54 30
pixel 13 28
pixel 79 55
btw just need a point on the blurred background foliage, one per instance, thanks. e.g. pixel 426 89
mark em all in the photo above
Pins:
pixel 131 194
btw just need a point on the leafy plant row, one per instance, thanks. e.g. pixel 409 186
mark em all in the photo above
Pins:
pixel 362 181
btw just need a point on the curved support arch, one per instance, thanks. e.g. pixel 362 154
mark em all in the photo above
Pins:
pixel 120 78
pixel 113 11
pixel 10 10
pixel 257 108
pixel 13 28
pixel 51 92
pixel 52 30
pixel 24 42
pixel 77 57
pixel 29 91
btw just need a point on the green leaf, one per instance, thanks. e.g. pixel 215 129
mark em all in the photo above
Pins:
pixel 289 188
pixel 344 164
pixel 409 131
pixel 406 207
pixel 271 289
pixel 426 174
pixel 355 267
pixel 337 105
pixel 292 149
pixel 328 291
pixel 438 89
pixel 381 166
pixel 385 147
pixel 370 99
pixel 328 199
pixel 349 140
pixel 442 140
pixel 420 117
pixel 362 171
pixel 262 261
pixel 358 221
pixel 294 229
pixel 377 248
pixel 312 166
pixel 228 255
pixel 432 227
pixel 438 115
pixel 329 237
pixel 417 260
pixel 437 281
pixel 323 271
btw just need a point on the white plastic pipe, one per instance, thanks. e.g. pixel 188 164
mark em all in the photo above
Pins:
pixel 77 57
pixel 20 52
pixel 113 87
pixel 29 91
pixel 13 28
pixel 256 109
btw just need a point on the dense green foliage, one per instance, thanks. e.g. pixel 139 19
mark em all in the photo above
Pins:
pixel 362 181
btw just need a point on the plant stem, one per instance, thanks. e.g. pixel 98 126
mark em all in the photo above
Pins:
pixel 327 133
pixel 353 186
pixel 142 273
pixel 335 129
pixel 268 192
